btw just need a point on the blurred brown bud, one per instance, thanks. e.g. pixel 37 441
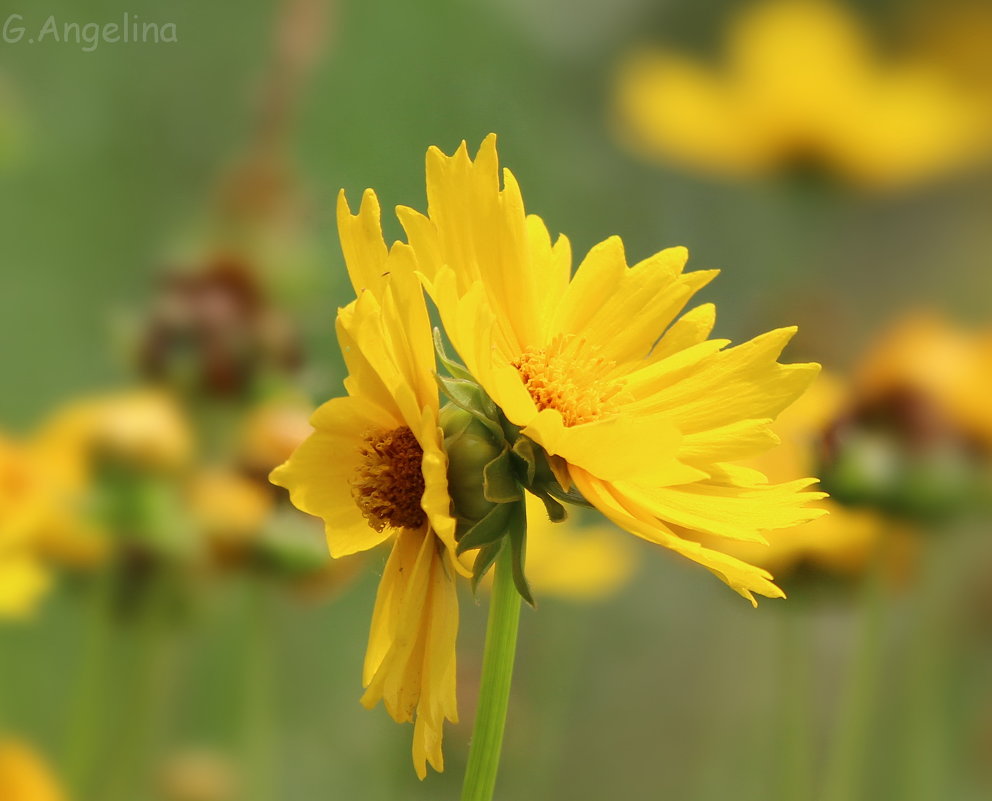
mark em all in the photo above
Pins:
pixel 212 331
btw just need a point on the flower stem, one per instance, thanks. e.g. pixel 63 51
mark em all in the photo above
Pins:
pixel 852 741
pixel 497 672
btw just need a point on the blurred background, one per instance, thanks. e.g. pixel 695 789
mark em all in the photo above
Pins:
pixel 172 630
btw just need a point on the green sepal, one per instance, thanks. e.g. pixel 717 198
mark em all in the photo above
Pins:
pixel 573 497
pixel 517 534
pixel 485 531
pixel 556 512
pixel 523 450
pixel 468 395
pixel 499 483
pixel 484 561
pixel 454 369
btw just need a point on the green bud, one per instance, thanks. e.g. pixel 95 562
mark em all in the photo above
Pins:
pixel 470 446
pixel 875 468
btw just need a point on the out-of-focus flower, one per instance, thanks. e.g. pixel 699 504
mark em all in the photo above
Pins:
pixel 24 775
pixel 801 85
pixel 848 540
pixel 916 439
pixel 113 467
pixel 644 415
pixel 198 775
pixel 272 432
pixel 575 560
pixel 947 370
pixel 374 469
pixel 230 509
pixel 143 429
pixel 23 510
pixel 213 331
pixel 956 35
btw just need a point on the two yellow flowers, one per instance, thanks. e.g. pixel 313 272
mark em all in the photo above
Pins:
pixel 588 389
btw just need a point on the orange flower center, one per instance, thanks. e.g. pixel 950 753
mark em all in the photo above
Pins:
pixel 569 376
pixel 389 483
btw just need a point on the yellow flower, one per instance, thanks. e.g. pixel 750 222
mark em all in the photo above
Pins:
pixel 143 428
pixel 229 508
pixel 23 514
pixel 925 357
pixel 272 432
pixel 801 84
pixel 575 561
pixel 374 469
pixel 643 416
pixel 847 539
pixel 24 776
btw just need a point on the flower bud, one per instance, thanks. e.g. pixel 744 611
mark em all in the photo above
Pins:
pixel 470 446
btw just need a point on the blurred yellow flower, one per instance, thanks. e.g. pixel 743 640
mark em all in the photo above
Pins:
pixel 23 513
pixel 24 776
pixel 228 508
pixel 925 357
pixel 801 84
pixel 199 774
pixel 272 432
pixel 374 469
pixel 575 561
pixel 143 428
pixel 643 415
pixel 845 541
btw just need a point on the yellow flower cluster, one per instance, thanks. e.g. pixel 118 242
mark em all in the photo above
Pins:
pixel 587 389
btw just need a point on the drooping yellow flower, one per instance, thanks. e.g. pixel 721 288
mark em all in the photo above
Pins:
pixel 644 416
pixel 374 469
pixel 24 776
pixel 23 515
pixel 801 84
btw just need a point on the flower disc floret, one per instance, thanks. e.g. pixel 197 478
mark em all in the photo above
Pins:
pixel 388 484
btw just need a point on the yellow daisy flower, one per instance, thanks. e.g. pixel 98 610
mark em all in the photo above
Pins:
pixel 801 84
pixel 644 416
pixel 24 776
pixel 845 541
pixel 374 469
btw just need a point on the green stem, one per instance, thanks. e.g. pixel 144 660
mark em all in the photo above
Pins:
pixel 86 705
pixel 259 727
pixel 795 752
pixel 930 736
pixel 852 742
pixel 497 671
